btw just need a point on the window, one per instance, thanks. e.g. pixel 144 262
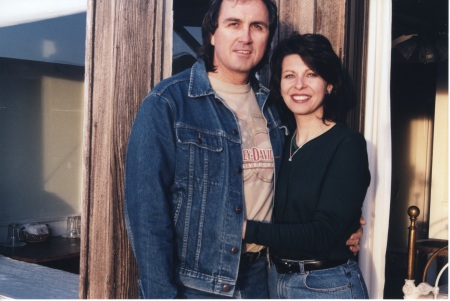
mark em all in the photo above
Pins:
pixel 41 114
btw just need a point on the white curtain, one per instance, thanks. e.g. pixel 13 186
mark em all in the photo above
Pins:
pixel 377 130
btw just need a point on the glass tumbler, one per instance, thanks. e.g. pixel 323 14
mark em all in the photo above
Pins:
pixel 13 238
pixel 73 227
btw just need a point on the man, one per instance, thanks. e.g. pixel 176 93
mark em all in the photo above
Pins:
pixel 202 156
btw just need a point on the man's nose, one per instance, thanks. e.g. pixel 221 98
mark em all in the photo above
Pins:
pixel 246 35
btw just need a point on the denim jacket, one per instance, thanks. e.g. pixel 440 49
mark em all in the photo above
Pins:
pixel 184 193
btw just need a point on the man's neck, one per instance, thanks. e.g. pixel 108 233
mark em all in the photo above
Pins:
pixel 236 79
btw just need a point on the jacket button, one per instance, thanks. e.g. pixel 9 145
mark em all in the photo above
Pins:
pixel 226 288
pixel 238 209
pixel 235 132
pixel 239 169
pixel 234 250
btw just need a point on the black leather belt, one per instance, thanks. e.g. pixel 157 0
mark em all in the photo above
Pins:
pixel 286 266
pixel 247 259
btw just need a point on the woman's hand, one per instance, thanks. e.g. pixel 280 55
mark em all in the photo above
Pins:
pixel 353 241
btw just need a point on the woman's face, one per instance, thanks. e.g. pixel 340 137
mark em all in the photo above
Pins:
pixel 302 89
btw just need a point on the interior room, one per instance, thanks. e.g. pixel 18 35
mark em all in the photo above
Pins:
pixel 41 121
pixel 419 116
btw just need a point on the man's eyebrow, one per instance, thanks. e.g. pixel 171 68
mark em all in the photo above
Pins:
pixel 231 19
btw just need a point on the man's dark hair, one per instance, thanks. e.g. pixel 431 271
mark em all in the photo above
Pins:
pixel 210 24
pixel 318 54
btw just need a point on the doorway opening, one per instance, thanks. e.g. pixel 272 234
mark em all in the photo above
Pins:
pixel 419 120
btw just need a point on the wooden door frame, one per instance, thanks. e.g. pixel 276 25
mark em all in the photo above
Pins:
pixel 125 57
pixel 355 59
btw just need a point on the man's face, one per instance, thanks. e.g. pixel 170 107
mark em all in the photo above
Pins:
pixel 240 39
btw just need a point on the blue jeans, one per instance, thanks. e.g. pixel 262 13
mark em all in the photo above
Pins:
pixel 342 282
pixel 251 284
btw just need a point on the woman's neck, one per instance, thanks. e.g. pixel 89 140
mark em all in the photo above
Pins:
pixel 308 129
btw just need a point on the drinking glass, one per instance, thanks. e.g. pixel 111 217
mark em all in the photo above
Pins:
pixel 13 238
pixel 73 226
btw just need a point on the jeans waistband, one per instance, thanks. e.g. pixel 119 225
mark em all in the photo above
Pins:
pixel 248 258
pixel 286 266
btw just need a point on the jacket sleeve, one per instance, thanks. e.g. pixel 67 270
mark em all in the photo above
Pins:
pixel 149 174
pixel 338 208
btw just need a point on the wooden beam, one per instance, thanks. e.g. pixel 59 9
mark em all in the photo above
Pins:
pixel 125 58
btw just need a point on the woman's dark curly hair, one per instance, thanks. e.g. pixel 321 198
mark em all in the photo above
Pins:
pixel 210 24
pixel 318 54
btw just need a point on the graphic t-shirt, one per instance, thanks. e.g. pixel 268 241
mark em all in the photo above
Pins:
pixel 257 154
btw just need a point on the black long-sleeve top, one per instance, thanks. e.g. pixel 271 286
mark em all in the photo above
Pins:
pixel 318 198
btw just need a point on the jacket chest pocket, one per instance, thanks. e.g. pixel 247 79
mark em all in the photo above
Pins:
pixel 201 139
pixel 201 155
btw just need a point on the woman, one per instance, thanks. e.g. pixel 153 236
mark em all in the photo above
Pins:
pixel 322 183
